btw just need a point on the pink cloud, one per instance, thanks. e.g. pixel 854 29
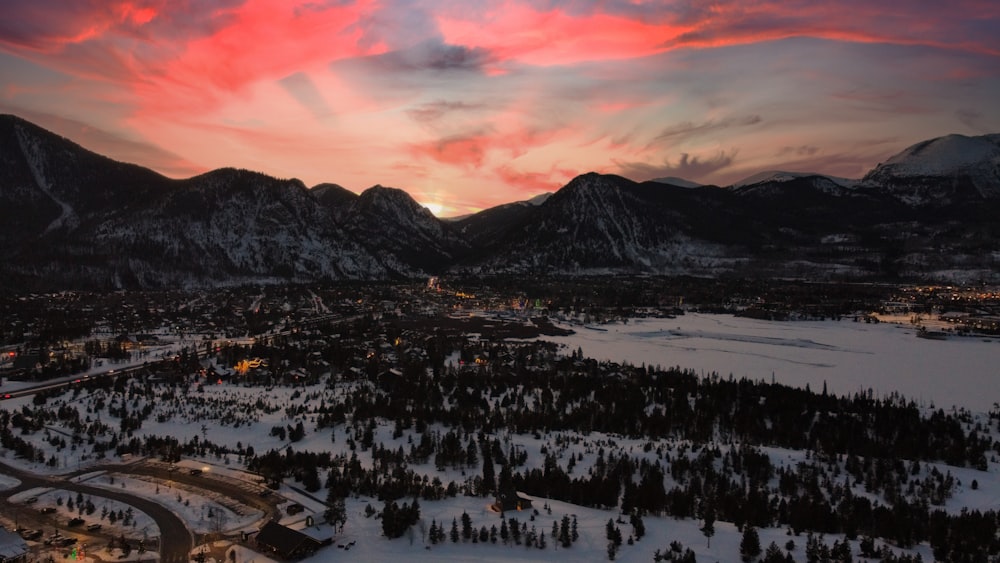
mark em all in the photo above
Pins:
pixel 606 31
pixel 518 31
pixel 464 151
pixel 534 182
pixel 937 25
pixel 262 41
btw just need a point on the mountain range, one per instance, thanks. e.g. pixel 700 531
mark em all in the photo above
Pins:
pixel 70 218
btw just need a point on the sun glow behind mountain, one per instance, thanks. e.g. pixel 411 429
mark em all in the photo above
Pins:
pixel 435 208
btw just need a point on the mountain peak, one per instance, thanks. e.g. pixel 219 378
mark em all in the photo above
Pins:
pixel 944 155
pixel 539 199
pixel 675 181
pixel 942 168
pixel 401 203
pixel 778 176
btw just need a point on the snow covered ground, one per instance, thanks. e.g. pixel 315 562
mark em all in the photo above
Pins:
pixel 204 512
pixel 847 356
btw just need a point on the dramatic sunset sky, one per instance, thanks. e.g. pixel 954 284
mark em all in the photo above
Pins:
pixel 469 104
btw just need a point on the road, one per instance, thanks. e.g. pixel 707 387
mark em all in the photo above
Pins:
pixel 176 540
pixel 242 492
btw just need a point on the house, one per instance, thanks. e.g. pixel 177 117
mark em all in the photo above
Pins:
pixel 13 548
pixel 127 342
pixel 285 542
pixel 511 500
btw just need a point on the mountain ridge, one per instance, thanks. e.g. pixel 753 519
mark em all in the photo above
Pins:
pixel 70 217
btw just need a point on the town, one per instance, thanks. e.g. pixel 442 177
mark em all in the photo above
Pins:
pixel 443 415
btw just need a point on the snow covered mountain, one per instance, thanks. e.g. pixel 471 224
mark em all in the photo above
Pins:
pixel 390 223
pixel 229 225
pixel 942 170
pixel 807 226
pixel 491 225
pixel 72 218
pixel 335 198
pixel 776 176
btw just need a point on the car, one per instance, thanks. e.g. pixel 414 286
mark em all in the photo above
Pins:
pixel 31 535
pixel 195 472
pixel 75 522
pixel 294 508
pixel 66 542
pixel 31 500
pixel 48 510
pixel 93 527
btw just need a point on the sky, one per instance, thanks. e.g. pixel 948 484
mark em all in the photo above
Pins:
pixel 467 105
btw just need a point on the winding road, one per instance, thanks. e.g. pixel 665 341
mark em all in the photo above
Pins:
pixel 176 540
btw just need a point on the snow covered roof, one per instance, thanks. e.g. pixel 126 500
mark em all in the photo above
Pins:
pixel 323 533
pixel 12 545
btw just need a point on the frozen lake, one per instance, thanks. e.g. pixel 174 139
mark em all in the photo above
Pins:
pixel 847 355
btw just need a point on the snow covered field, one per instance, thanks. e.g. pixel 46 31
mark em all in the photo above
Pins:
pixel 845 355
pixel 848 356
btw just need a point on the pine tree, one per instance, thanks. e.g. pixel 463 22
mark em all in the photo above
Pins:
pixel 564 537
pixel 489 477
pixel 466 526
pixel 708 521
pixel 750 544
pixel 773 554
pixel 389 514
pixel 638 526
pixel 454 530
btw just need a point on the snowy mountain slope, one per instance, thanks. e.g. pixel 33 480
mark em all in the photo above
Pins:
pixel 487 227
pixel 388 221
pixel 49 185
pixel 603 223
pixel 774 176
pixel 942 170
pixel 233 223
pixel 335 198
pixel 948 155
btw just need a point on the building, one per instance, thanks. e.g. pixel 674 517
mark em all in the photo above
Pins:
pixel 13 548
pixel 511 500
pixel 285 542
